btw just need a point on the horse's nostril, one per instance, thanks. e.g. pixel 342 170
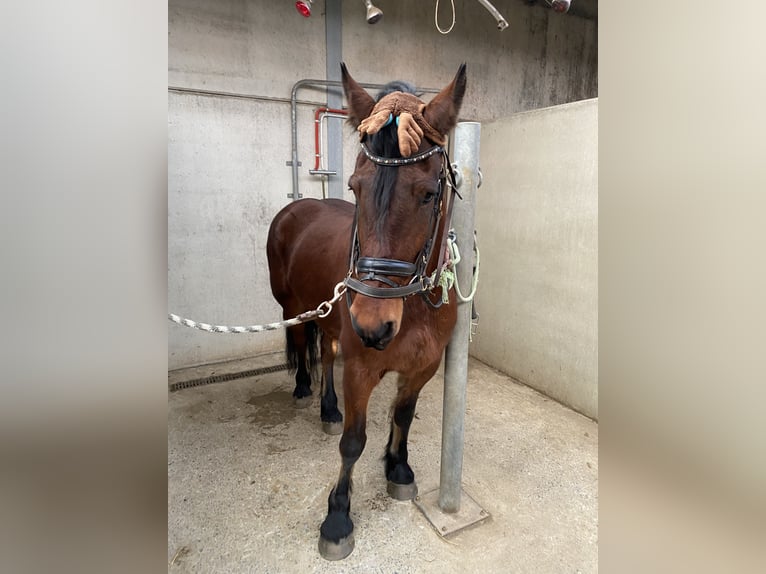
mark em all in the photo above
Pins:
pixel 379 338
pixel 384 332
pixel 383 336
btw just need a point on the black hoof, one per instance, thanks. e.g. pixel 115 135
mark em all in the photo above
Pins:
pixel 303 402
pixel 402 491
pixel 336 550
pixel 332 428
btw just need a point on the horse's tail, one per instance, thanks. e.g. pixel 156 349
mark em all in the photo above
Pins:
pixel 295 355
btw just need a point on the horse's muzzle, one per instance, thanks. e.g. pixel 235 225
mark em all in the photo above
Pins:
pixel 378 338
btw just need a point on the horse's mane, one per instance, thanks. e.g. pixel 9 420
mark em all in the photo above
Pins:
pixel 385 143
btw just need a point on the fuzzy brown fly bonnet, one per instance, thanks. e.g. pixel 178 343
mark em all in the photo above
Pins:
pixel 411 124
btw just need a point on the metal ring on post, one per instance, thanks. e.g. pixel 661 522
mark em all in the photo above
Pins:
pixel 458 175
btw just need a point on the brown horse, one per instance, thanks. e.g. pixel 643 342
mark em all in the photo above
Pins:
pixel 389 250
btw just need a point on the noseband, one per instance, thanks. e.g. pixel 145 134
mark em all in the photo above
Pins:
pixel 380 269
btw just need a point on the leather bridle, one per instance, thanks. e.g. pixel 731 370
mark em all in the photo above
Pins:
pixel 380 269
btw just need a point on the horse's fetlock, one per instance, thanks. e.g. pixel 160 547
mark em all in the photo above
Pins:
pixel 336 525
pixel 398 471
pixel 331 415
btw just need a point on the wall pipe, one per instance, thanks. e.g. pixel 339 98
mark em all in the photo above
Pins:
pixel 307 83
pixel 239 96
pixel 502 24
pixel 333 55
pixel 319 115
pixel 466 156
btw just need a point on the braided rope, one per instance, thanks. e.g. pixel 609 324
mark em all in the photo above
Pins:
pixel 448 278
pixel 323 310
pixel 477 264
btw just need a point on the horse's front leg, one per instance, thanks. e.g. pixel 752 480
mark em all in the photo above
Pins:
pixel 401 479
pixel 336 540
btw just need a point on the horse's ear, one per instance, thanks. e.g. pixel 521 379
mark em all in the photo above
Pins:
pixel 360 103
pixel 442 111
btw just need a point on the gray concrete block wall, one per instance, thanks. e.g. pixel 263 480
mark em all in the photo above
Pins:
pixel 217 221
pixel 537 223
pixel 227 176
pixel 542 59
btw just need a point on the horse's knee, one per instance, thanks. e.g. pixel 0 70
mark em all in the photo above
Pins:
pixel 352 444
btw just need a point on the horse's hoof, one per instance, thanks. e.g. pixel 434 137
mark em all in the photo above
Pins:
pixel 303 402
pixel 332 428
pixel 402 491
pixel 336 550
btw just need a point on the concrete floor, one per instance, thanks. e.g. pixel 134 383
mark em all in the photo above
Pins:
pixel 249 475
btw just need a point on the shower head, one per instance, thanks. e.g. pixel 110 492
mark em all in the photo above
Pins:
pixel 374 14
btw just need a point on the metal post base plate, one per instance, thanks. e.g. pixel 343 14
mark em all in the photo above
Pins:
pixel 445 523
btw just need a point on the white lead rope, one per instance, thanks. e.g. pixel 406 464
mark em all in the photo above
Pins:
pixel 455 254
pixel 322 311
pixel 447 280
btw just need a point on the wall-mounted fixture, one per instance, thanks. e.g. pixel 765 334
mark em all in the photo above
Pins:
pixel 560 6
pixel 374 14
pixel 502 24
pixel 304 7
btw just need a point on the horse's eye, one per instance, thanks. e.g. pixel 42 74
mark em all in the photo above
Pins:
pixel 428 197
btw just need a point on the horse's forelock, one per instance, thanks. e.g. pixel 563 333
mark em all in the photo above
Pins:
pixel 385 143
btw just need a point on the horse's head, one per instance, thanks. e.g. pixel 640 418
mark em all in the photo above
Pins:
pixel 398 182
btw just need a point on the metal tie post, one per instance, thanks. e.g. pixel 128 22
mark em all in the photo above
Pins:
pixel 449 508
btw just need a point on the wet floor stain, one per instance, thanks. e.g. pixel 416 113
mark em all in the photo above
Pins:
pixel 193 410
pixel 272 409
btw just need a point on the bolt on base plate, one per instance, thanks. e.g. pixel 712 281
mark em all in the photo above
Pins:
pixel 446 523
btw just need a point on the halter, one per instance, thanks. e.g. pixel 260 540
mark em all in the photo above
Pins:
pixel 377 268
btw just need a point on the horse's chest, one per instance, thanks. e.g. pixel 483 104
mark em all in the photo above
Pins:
pixel 419 347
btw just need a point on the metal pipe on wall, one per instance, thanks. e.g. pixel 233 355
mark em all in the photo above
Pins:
pixel 239 96
pixel 319 115
pixel 502 24
pixel 466 155
pixel 333 52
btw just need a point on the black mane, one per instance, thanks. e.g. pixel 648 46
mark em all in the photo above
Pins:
pixel 396 86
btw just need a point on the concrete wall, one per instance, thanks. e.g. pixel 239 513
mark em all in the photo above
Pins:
pixel 542 59
pixel 537 223
pixel 227 176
